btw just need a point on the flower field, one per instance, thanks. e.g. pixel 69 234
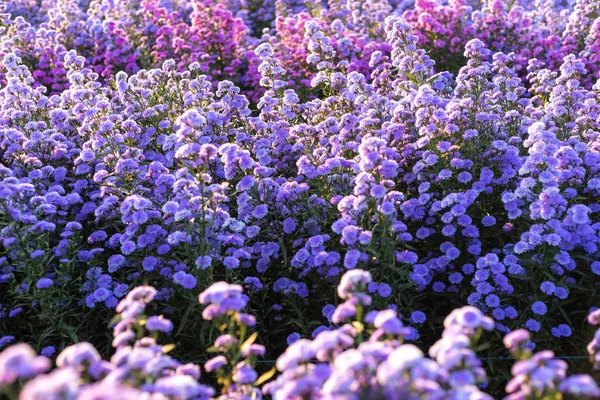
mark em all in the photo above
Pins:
pixel 293 199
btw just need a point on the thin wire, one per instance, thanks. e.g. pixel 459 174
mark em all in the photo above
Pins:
pixel 481 358
pixel 558 357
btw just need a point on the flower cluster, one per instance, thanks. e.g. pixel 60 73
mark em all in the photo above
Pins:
pixel 365 355
pixel 435 154
pixel 235 365
pixel 540 375
pixel 140 366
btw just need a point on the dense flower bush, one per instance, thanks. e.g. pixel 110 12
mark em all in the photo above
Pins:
pixel 364 358
pixel 432 155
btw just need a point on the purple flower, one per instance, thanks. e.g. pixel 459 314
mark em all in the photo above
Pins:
pixel 556 332
pixel 244 374
pixel 186 280
pixel 181 386
pixel 488 220
pixel 539 308
pixel 102 390
pixel 378 191
pixel 203 262
pixel 225 341
pixel 253 283
pixel 139 217
pixel 579 213
pixel 4 340
pixel 464 177
pixel 20 362
pixel 439 287
pixel 547 287
pixel 218 292
pixel 128 247
pixel 44 283
pixel 289 225
pixel 498 314
pixel 260 211
pixel 511 312
pixel 154 324
pixel 246 319
pixel 352 280
pixel 452 253
pixel 462 378
pixel 245 183
pixel 515 339
pixel 384 290
pixel 580 385
pixel 170 207
pixel 455 277
pixel 120 290
pixel 189 281
pixel 328 310
pixel 143 294
pixel 448 230
pixel 318 330
pixel 101 294
pixel 469 317
pixel 344 311
pixel 15 311
pixel 150 263
pixel 565 330
pixel 48 351
pixel 417 317
pixel 253 349
pixel 561 293
pixel 77 355
pixel 293 337
pixel 351 259
pixel 596 267
pixel 281 284
pixel 215 363
pixel 37 253
pixel 372 287
pixel 492 300
pixel 231 262
pixel 61 382
pixel 389 322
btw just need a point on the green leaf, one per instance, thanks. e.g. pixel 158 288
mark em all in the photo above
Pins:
pixel 359 326
pixel 115 319
pixel 283 250
pixel 265 377
pixel 250 340
pixel 185 318
pixel 434 77
pixel 564 313
pixel 168 348
pixel 72 334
